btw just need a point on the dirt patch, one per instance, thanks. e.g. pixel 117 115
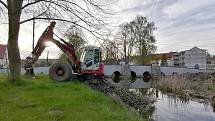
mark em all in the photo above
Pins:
pixel 28 105
pixel 55 111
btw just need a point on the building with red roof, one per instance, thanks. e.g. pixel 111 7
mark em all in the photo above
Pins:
pixel 157 58
pixel 3 55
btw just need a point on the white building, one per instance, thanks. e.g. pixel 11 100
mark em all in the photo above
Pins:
pixel 3 55
pixel 195 58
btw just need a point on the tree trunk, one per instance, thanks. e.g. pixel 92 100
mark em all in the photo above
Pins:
pixel 14 13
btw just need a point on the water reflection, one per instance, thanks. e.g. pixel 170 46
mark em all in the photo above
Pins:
pixel 147 112
pixel 213 105
pixel 172 108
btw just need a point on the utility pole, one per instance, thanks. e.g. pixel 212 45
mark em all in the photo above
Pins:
pixel 47 58
pixel 33 33
pixel 125 51
pixel 117 52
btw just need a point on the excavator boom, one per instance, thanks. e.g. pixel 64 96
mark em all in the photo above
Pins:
pixel 47 36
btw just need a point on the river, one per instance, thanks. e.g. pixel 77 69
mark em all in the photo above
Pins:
pixel 172 108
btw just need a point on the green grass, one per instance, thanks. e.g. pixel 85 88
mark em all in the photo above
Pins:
pixel 42 99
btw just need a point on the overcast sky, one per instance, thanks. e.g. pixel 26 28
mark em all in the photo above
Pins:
pixel 181 24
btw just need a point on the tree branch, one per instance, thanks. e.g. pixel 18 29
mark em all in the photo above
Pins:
pixel 32 3
pixel 84 10
pixel 4 4
pixel 63 20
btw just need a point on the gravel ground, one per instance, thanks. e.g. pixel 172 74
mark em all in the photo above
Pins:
pixel 127 97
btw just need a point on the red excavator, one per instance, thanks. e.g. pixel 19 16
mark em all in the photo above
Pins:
pixel 90 63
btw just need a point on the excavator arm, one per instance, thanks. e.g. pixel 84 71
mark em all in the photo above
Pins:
pixel 69 50
pixel 47 36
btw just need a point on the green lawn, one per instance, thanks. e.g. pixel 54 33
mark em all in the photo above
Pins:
pixel 42 99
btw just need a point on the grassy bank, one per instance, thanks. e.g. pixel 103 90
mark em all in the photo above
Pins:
pixel 42 99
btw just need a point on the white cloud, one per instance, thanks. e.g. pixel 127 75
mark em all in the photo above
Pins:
pixel 185 6
pixel 126 4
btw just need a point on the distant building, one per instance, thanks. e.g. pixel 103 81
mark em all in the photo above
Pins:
pixel 3 55
pixel 211 62
pixel 193 58
pixel 179 59
pixel 157 58
pixel 45 62
pixel 42 62
pixel 176 59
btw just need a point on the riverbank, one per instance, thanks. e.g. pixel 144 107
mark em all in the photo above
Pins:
pixel 200 90
pixel 42 99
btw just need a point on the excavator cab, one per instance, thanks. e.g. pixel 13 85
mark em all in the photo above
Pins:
pixel 91 61
pixel 91 58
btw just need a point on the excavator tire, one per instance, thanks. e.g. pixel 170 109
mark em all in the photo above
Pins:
pixel 60 72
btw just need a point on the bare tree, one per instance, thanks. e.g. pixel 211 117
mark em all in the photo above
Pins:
pixel 79 13
pixel 76 37
pixel 127 37
pixel 137 36
pixel 145 40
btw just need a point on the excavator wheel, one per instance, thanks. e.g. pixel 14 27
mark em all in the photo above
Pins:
pixel 60 72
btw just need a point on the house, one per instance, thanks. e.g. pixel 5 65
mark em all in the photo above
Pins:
pixel 3 55
pixel 179 59
pixel 193 58
pixel 168 57
pixel 211 62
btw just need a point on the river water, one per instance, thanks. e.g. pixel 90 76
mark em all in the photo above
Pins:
pixel 172 108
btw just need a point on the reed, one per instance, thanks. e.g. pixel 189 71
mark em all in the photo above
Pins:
pixel 180 83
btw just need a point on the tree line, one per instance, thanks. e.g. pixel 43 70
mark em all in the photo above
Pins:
pixel 134 41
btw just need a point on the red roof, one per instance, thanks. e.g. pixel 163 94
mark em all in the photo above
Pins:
pixel 168 55
pixel 2 50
